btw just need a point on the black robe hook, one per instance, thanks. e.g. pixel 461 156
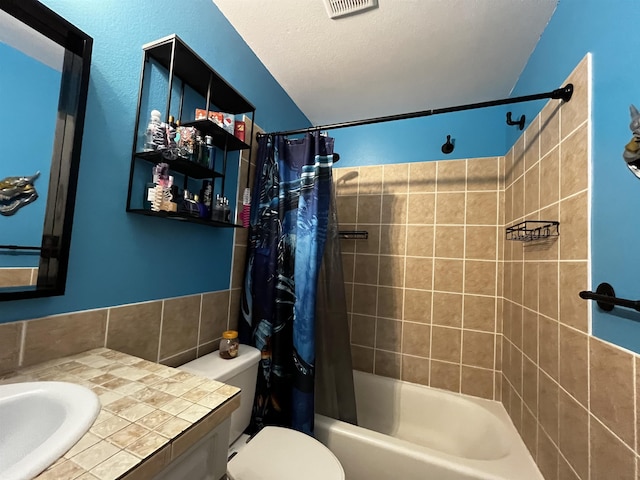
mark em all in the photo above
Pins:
pixel 519 123
pixel 448 147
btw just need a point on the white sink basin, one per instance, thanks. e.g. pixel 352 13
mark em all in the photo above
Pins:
pixel 39 422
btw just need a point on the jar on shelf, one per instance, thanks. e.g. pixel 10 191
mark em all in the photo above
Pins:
pixel 229 344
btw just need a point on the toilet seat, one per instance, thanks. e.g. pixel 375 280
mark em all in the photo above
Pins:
pixel 283 454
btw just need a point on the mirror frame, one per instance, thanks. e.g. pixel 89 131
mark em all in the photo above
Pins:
pixel 67 144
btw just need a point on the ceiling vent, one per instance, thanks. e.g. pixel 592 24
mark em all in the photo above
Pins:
pixel 340 8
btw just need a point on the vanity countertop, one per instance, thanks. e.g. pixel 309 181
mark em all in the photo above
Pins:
pixel 150 413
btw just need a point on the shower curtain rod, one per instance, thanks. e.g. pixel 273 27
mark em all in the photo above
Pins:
pixel 563 93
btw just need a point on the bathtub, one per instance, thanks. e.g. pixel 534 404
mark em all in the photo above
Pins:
pixel 412 432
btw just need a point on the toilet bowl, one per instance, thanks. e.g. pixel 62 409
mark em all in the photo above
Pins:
pixel 273 453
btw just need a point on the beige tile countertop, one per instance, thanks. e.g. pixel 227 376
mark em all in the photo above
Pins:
pixel 150 413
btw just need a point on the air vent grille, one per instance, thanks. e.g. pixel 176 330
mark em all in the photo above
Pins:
pixel 339 8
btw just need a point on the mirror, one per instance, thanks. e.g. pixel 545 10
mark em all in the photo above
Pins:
pixel 43 93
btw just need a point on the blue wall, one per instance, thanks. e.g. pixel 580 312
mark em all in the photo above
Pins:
pixel 118 258
pixel 29 90
pixel 610 31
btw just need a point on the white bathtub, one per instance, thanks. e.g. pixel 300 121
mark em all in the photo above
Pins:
pixel 412 432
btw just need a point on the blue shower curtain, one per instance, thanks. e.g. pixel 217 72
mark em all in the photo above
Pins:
pixel 288 230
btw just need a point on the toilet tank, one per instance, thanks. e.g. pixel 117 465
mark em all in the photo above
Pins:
pixel 241 371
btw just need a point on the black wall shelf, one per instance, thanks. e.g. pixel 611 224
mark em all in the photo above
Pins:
pixel 184 218
pixel 180 164
pixel 213 93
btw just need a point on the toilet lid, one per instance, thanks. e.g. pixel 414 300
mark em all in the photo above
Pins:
pixel 283 454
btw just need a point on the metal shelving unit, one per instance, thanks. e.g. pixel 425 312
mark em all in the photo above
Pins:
pixel 182 63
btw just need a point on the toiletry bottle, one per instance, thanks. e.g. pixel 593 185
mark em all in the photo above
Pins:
pixel 206 194
pixel 153 135
pixel 171 133
pixel 149 189
pixel 211 152
pixel 226 211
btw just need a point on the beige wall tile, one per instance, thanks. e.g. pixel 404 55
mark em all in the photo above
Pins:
pixel 346 180
pixel 480 277
pixel 370 180
pixel 135 329
pixel 180 359
pixel 482 208
pixel 530 285
pixel 387 364
pixel 364 299
pixel 372 243
pixel 449 241
pixel 574 310
pixel 479 313
pixel 235 299
pixel 10 277
pixel 518 157
pixel 532 147
pixel 529 431
pixel 610 458
pixel 347 208
pixel 450 208
pixel 388 335
pixel 517 211
pixel 445 375
pixel 390 302
pixel 452 176
pixel 548 409
pixel 417 306
pixel 415 370
pixel 447 309
pixel 550 178
pixel 369 209
pixel 180 321
pixel 549 127
pixel 422 177
pixel 446 344
pixel 10 338
pixel 348 265
pixel 416 339
pixel 574 351
pixel 548 302
pixel 448 275
pixel 530 384
pixel 478 349
pixel 530 334
pixel 214 316
pixel 574 164
pixel 366 269
pixel 419 240
pixel 576 111
pixel 391 272
pixel 394 208
pixel 362 358
pixel 611 388
pixel 393 239
pixel 547 459
pixel 421 208
pixel 574 434
pixel 548 341
pixel 238 267
pixel 482 173
pixel 532 190
pixel 575 227
pixel 481 243
pixel 54 337
pixel 477 382
pixel 419 273
pixel 396 178
pixel 363 330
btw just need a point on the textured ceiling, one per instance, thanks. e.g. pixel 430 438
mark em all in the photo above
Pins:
pixel 405 56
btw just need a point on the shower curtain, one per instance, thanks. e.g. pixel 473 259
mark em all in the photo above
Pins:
pixel 288 230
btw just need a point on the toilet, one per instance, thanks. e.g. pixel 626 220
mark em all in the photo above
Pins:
pixel 273 453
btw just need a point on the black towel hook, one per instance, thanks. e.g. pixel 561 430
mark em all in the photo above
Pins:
pixel 519 123
pixel 448 147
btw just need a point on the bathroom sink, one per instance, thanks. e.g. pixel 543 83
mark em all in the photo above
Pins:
pixel 39 422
